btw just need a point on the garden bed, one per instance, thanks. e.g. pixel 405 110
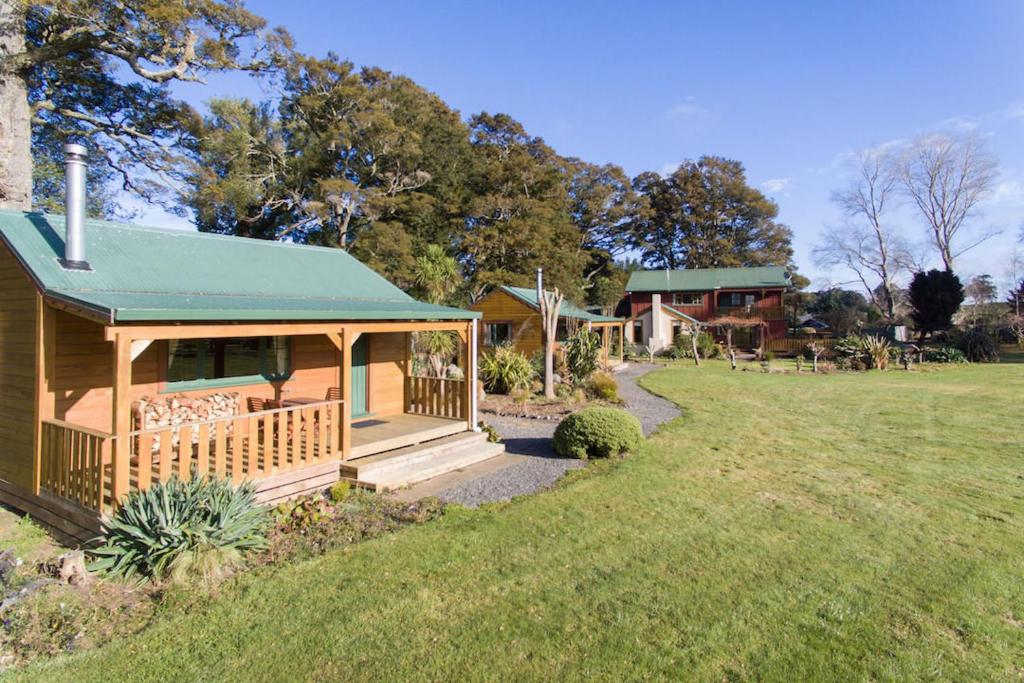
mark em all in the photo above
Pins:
pixel 43 616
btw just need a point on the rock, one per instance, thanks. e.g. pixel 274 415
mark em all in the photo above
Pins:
pixel 8 563
pixel 70 568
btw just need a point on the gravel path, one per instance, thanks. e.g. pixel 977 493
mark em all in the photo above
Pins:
pixel 539 466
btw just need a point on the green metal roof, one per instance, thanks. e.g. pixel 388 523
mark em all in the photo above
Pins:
pixel 704 279
pixel 568 309
pixel 156 274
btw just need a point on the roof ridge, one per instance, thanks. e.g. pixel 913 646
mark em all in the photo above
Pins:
pixel 190 232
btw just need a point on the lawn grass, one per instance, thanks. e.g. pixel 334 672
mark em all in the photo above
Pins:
pixel 786 527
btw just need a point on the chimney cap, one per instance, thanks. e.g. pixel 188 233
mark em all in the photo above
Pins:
pixel 75 149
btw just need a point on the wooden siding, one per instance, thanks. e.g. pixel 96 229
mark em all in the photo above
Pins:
pixel 85 368
pixel 18 301
pixel 640 302
pixel 499 307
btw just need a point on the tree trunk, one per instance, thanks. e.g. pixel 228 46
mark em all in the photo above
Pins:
pixel 693 344
pixel 15 113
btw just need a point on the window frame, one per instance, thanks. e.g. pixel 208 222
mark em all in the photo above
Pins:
pixel 488 343
pixel 263 377
pixel 695 298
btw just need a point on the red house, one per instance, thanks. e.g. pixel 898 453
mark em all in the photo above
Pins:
pixel 663 303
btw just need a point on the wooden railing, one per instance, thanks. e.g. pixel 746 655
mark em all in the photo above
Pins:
pixel 248 446
pixel 795 346
pixel 75 463
pixel 440 397
pixel 753 311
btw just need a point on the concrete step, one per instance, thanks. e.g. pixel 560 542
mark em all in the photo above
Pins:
pixel 441 460
pixel 379 463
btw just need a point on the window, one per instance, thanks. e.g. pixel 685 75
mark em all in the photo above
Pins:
pixel 687 299
pixel 195 363
pixel 729 299
pixel 638 332
pixel 496 334
pixel 562 331
pixel 748 299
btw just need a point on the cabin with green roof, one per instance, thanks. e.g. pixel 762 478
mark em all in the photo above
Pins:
pixel 132 354
pixel 512 315
pixel 663 303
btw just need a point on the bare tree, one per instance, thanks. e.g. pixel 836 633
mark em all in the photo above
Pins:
pixel 550 303
pixel 866 244
pixel 946 177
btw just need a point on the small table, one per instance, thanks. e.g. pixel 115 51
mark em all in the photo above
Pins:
pixel 299 401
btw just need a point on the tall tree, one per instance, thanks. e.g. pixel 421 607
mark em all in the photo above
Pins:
pixel 866 244
pixel 99 71
pixel 519 216
pixel 705 215
pixel 946 178
pixel 602 204
pixel 361 160
pixel 935 296
pixel 981 290
pixel 843 310
pixel 48 181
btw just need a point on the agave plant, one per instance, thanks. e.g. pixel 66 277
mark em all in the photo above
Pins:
pixel 181 529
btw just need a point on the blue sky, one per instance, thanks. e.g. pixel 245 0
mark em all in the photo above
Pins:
pixel 789 89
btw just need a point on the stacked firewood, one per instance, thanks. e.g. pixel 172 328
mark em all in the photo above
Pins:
pixel 173 411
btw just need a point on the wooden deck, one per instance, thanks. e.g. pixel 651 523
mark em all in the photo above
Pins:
pixel 377 435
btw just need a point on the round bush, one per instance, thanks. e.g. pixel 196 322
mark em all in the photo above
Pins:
pixel 597 432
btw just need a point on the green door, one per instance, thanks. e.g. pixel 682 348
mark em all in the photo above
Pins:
pixel 360 378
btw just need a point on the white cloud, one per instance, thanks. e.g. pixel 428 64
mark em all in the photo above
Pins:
pixel 668 168
pixel 776 185
pixel 688 109
pixel 1009 192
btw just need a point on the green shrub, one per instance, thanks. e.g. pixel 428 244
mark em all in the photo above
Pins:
pixel 505 370
pixel 597 432
pixel 682 346
pixel 180 529
pixel 581 354
pixel 603 386
pixel 707 347
pixel 491 432
pixel 978 346
pixel 340 490
pixel 945 354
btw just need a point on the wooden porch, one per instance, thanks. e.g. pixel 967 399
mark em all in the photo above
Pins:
pixel 284 450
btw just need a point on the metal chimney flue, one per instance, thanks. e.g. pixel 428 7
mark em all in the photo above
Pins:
pixel 74 208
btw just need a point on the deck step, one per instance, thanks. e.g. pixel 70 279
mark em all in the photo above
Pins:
pixel 412 464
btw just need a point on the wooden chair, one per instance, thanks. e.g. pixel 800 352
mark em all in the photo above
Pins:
pixel 333 394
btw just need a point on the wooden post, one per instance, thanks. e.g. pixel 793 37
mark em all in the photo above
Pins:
pixel 467 375
pixel 121 414
pixel 46 363
pixel 345 439
pixel 407 373
pixel 622 342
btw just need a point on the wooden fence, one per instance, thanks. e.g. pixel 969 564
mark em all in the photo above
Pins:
pixel 794 346
pixel 440 397
pixel 77 462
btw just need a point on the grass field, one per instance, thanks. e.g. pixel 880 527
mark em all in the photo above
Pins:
pixel 786 527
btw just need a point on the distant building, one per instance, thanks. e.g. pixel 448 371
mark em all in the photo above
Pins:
pixel 663 303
